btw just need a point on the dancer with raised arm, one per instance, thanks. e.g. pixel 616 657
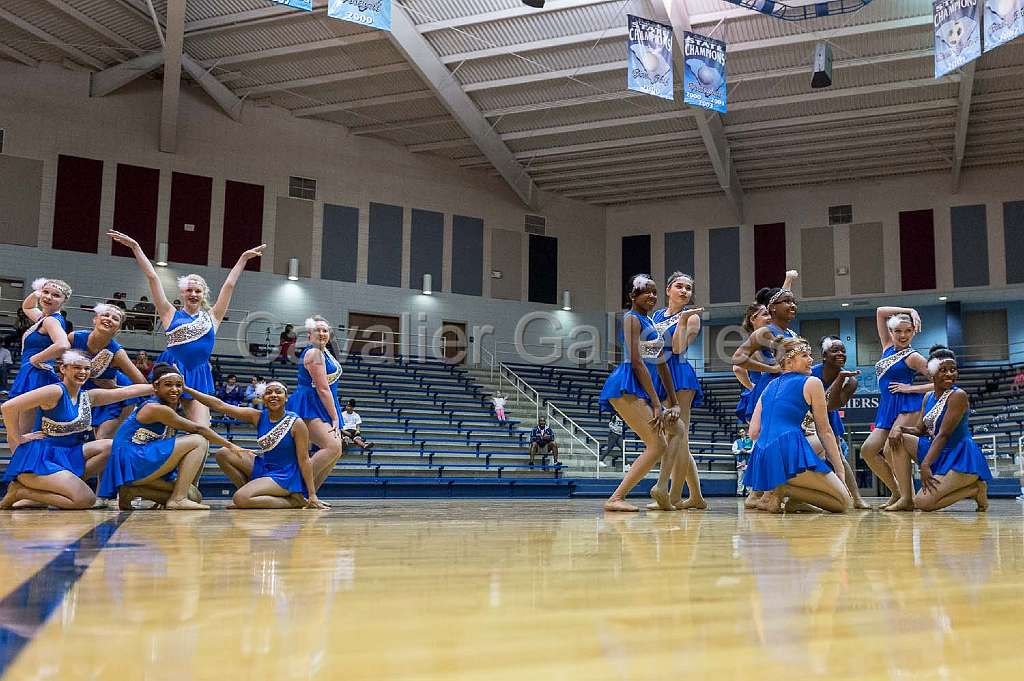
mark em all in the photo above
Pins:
pixel 315 400
pixel 679 327
pixel 898 401
pixel 49 467
pixel 282 474
pixel 147 460
pixel 953 467
pixel 782 460
pixel 636 389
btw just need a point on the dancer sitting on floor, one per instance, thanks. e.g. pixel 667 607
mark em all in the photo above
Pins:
pixel 49 467
pixel 282 475
pixel 782 460
pixel 953 467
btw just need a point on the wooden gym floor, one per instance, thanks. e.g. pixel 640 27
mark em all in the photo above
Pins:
pixel 487 589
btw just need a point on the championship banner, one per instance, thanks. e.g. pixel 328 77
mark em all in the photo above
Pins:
pixel 957 34
pixel 1004 21
pixel 704 77
pixel 306 5
pixel 650 57
pixel 372 13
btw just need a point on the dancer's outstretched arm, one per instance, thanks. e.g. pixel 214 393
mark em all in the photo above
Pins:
pixel 163 306
pixel 220 307
pixel 244 414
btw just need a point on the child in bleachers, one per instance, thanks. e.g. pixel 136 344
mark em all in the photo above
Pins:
pixel 499 407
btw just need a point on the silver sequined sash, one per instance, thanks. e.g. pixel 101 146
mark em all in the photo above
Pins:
pixel 663 325
pixel 886 363
pixel 272 438
pixel 80 424
pixel 100 362
pixel 333 376
pixel 190 331
pixel 933 415
pixel 143 436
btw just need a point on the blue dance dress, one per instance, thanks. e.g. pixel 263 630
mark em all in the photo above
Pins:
pixel 623 381
pixel 763 379
pixel 66 427
pixel 190 342
pixel 305 401
pixel 138 451
pixel 834 419
pixel 101 368
pixel 961 453
pixel 278 459
pixel 30 377
pixel 892 368
pixel 782 451
pixel 683 375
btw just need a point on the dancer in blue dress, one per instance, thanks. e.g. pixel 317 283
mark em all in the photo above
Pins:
pixel 315 399
pixel 192 330
pixel 782 308
pixel 680 327
pixel 840 386
pixel 898 401
pixel 782 460
pixel 49 466
pixel 148 461
pixel 953 467
pixel 108 358
pixel 636 389
pixel 282 474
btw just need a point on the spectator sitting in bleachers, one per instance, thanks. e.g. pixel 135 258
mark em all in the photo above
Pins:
pixel 613 446
pixel 118 300
pixel 741 450
pixel 499 407
pixel 143 362
pixel 142 316
pixel 543 438
pixel 254 392
pixel 5 366
pixel 351 423
pixel 231 391
pixel 1018 382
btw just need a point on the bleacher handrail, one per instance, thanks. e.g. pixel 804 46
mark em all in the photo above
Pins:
pixel 574 431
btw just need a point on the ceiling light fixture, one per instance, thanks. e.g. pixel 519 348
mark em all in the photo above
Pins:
pixel 536 4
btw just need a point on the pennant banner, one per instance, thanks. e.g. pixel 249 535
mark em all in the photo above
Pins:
pixel 650 57
pixel 957 34
pixel 1004 21
pixel 297 4
pixel 372 13
pixel 704 79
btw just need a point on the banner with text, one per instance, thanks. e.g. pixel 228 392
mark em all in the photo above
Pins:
pixel 372 13
pixel 704 77
pixel 1004 21
pixel 650 57
pixel 297 4
pixel 957 34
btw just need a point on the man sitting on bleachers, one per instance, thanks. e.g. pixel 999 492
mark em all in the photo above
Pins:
pixel 231 391
pixel 350 426
pixel 542 438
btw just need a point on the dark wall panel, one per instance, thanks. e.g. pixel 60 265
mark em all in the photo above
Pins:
pixel 293 235
pixel 21 191
pixel 426 247
pixel 340 256
pixel 467 255
pixel 136 198
pixel 384 267
pixel 243 222
pixel 76 206
pixel 970 245
pixel 636 259
pixel 679 254
pixel 1013 235
pixel 724 265
pixel 917 250
pixel 543 285
pixel 190 205
pixel 867 258
pixel 769 255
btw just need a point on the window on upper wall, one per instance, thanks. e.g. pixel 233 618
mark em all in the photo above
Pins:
pixel 869 349
pixel 302 188
pixel 840 215
pixel 985 336
pixel 720 342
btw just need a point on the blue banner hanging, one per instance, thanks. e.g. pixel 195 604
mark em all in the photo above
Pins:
pixel 372 13
pixel 957 34
pixel 650 57
pixel 1004 21
pixel 704 77
pixel 306 5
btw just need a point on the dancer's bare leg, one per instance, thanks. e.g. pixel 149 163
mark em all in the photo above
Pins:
pixel 871 452
pixel 198 413
pixel 826 491
pixel 237 467
pixel 330 449
pixel 899 458
pixel 685 465
pixel 753 499
pixel 953 487
pixel 62 489
pixel 850 478
pixel 265 493
pixel 637 415
pixel 187 458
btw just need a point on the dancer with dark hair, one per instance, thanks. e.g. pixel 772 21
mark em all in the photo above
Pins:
pixel 953 467
pixel 636 393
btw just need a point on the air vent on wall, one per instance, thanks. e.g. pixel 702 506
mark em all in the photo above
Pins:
pixel 302 188
pixel 840 215
pixel 535 224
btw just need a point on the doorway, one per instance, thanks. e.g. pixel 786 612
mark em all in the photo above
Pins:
pixel 454 342
pixel 371 335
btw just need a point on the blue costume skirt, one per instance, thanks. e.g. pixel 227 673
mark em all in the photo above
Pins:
pixel 763 379
pixel 963 457
pixel 44 457
pixel 109 412
pixel 198 377
pixel 685 378
pixel 773 463
pixel 623 381
pixel 891 405
pixel 307 404
pixel 29 378
pixel 288 476
pixel 130 462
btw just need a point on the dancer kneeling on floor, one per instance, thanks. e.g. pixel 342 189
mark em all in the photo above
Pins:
pixel 282 474
pixel 952 465
pixel 49 467
pixel 782 460
pixel 148 461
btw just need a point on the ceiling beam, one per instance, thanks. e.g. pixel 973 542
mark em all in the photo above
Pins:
pixel 441 144
pixel 421 55
pixel 381 100
pixel 225 98
pixel 598 124
pixel 614 33
pixel 173 44
pixel 327 79
pixel 244 18
pixel 807 97
pixel 607 144
pixel 295 50
pixel 93 25
pixel 758 127
pixel 104 82
pixel 400 125
pixel 498 15
pixel 53 41
pixel 18 55
pixel 963 115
